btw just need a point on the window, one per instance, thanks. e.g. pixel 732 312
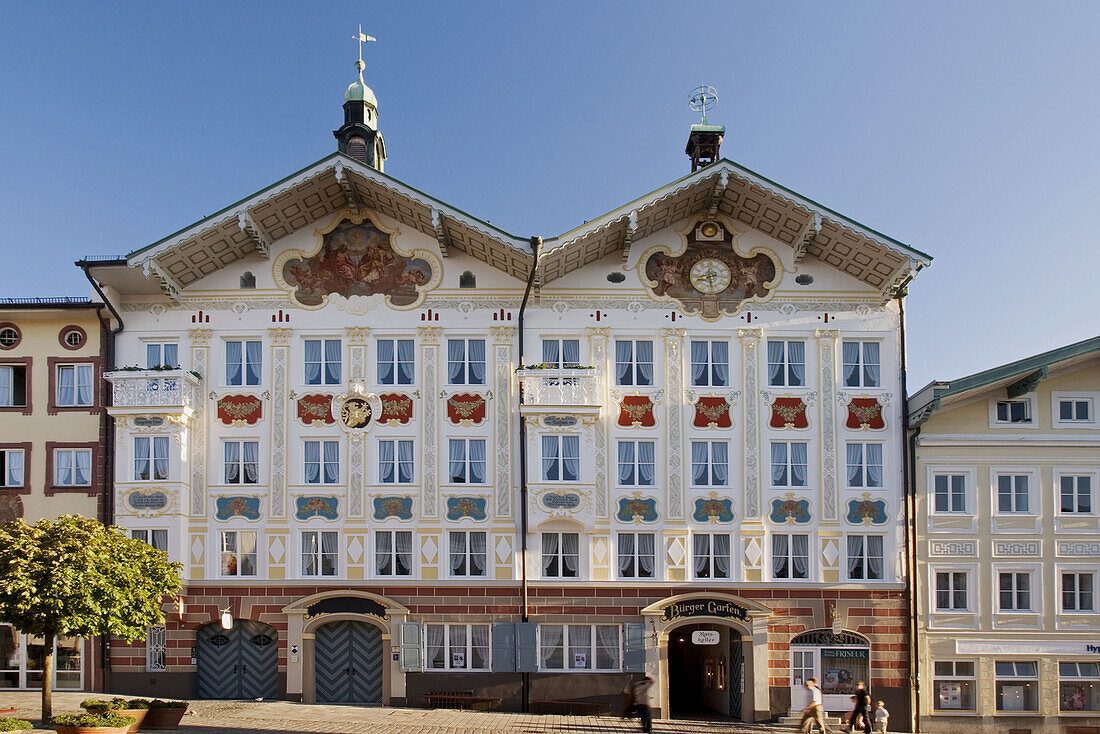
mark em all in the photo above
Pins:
pixel 156 538
pixel 790 556
pixel 951 591
pixel 636 556
pixel 636 463
pixel 319 556
pixel 802 666
pixel 74 385
pixel 150 458
pixel 242 462
pixel 1077 592
pixel 1012 493
pixel 1076 494
pixel 579 647
pixel 633 362
pixel 561 458
pixel 73 337
pixel 393 552
pixel 11 467
pixel 1015 591
pixel 864 464
pixel 787 363
pixel 1079 686
pixel 1017 686
pixel 949 492
pixel 162 354
pixel 156 648
pixel 13 386
pixel 710 364
pixel 467 460
pixel 466 361
pixel 709 463
pixel 238 553
pixel 72 467
pixel 788 464
pixel 955 683
pixel 561 353
pixel 9 336
pixel 247 281
pixel 865 561
pixel 322 462
pixel 560 555
pixel 395 462
pixel 396 363
pixel 861 364
pixel 467 279
pixel 711 555
pixel 242 362
pixel 322 361
pixel 456 646
pixel 467 553
pixel 1077 410
pixel 1014 411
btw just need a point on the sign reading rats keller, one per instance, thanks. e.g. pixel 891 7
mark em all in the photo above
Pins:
pixel 705 608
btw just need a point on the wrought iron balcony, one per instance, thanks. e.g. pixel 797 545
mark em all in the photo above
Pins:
pixel 155 391
pixel 558 387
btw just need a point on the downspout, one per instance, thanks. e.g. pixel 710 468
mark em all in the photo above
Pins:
pixel 536 250
pixel 909 461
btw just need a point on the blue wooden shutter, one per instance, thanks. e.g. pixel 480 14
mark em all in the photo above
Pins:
pixel 527 647
pixel 410 647
pixel 504 647
pixel 634 647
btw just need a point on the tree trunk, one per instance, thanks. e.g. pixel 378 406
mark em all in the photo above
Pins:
pixel 47 679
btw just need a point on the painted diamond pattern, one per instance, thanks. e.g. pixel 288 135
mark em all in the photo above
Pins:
pixel 429 549
pixel 276 549
pixel 197 549
pixel 753 552
pixel 599 549
pixel 355 550
pixel 504 549
pixel 676 551
pixel 830 552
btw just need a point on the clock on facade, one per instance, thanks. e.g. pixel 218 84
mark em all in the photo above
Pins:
pixel 710 276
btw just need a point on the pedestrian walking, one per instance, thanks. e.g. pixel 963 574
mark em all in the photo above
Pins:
pixel 860 718
pixel 881 717
pixel 639 692
pixel 813 713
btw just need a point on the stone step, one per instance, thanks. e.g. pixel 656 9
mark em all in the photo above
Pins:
pixel 792 721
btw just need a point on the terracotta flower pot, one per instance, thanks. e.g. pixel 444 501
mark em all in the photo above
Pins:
pixel 136 714
pixel 90 729
pixel 163 718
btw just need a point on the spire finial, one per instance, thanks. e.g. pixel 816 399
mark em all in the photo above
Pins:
pixel 362 38
pixel 702 99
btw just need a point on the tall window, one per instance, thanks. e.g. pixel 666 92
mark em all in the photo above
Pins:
pixel 393 553
pixel 865 561
pixel 1014 589
pixel 561 458
pixel 156 538
pixel 162 354
pixel 950 492
pixel 396 361
pixel 156 648
pixel 633 362
pixel 636 555
pixel 1014 411
pixel 955 683
pixel 951 591
pixel 243 362
pixel 1076 494
pixel 466 361
pixel 1017 685
pixel 11 467
pixel 319 555
pixel 74 385
pixel 72 467
pixel 790 556
pixel 242 462
pixel 322 462
pixel 322 361
pixel 468 556
pixel 560 555
pixel 1077 592
pixel 395 462
pixel 467 460
pixel 579 647
pixel 150 458
pixel 456 646
pixel 711 555
pixel 1012 493
pixel 238 553
pixel 636 463
pixel 13 386
pixel 788 464
pixel 786 363
pixel 864 464
pixel 1079 686
pixel 861 364
pixel 710 363
pixel 561 353
pixel 709 463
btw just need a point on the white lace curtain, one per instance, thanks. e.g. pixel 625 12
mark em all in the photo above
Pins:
pixel 710 363
pixel 233 363
pixel 312 462
pixel 15 469
pixel 332 462
pixel 477 554
pixel 436 650
pixel 477 460
pixel 332 361
pixel 232 462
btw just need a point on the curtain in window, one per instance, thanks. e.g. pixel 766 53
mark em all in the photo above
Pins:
pixel 83 384
pixel 437 657
pixel 626 462
pixel 332 462
pixel 328 554
pixel 6 397
pixel 232 462
pixel 550 354
pixel 874 465
pixel 855 464
pixel 385 361
pixel 383 549
pixel 152 355
pixel 252 362
pixel 571 457
pixel 874 556
pixel 580 641
pixel 82 461
pixel 699 359
pixel 171 355
pixel 549 553
pixel 15 468
pixel 570 352
pixel 313 362
pixel 385 462
pixel 458 552
pixel 477 461
pixel 796 364
pixel 477 361
pixel 570 546
pixel 63 473
pixel 780 555
pixel 870 364
pixel 550 639
pixel 702 555
pixel 798 464
pixel 646 463
pixel 607 646
pixel 65 391
pixel 160 457
pixel 643 351
pixel 855 556
pixel 722 556
pixel 720 363
pixel 332 361
pixel 251 462
pixel 141 458
pixel 645 554
pixel 800 552
pixel 775 363
pixel 626 554
pixel 850 356
pixel 779 464
pixel 309 554
pixel 477 554
pixel 404 544
pixel 479 643
pixel 456 360
pixel 233 363
pixel 405 361
pixel 313 462
pixel 719 456
pixel 699 463
pixel 623 362
pixel 405 461
pixel 457 449
pixel 549 457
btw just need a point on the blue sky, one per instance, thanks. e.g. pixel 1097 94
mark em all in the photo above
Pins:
pixel 968 130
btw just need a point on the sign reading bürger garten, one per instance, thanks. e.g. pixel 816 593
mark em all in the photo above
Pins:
pixel 705 608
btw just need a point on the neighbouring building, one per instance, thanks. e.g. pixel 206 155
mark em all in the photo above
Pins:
pixel 409 453
pixel 1006 465
pixel 53 434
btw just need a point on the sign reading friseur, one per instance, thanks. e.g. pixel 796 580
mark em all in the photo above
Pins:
pixel 705 608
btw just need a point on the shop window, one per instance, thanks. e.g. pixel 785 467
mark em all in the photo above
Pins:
pixel 1017 686
pixel 22 657
pixel 580 647
pixel 842 668
pixel 1079 686
pixel 456 646
pixel 954 684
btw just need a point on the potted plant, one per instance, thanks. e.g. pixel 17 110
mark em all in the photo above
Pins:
pixel 164 714
pixel 9 724
pixel 106 723
pixel 135 709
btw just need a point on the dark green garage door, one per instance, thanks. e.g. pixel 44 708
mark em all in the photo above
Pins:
pixel 242 662
pixel 348 663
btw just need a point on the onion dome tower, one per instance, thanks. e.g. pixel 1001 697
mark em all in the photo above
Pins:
pixel 359 136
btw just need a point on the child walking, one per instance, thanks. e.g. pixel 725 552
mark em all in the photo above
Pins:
pixel 881 716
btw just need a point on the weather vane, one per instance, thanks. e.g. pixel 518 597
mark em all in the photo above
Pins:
pixel 362 38
pixel 702 99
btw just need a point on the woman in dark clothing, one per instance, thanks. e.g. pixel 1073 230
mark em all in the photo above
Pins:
pixel 862 709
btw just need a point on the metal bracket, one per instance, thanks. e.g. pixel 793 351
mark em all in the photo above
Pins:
pixel 168 284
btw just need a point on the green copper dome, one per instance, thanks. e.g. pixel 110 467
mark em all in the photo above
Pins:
pixel 358 91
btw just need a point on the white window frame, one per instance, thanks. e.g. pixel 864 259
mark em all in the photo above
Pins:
pixel 1092 474
pixel 241 463
pixel 864 463
pixel 866 557
pixel 560 458
pixel 955 676
pixel 1035 588
pixel 321 481
pixel 467 554
pixel 560 555
pixel 785 365
pixel 324 363
pixel 862 364
pixel 466 374
pixel 77 368
pixel 1032 410
pixel 1092 399
pixel 712 569
pixel 160 344
pixel 72 464
pixel 396 378
pixel 561 364
pixel 397 463
pixel 1015 677
pixel 708 476
pixel 934 589
pixel 149 537
pixel 244 363
pixel 221 534
pixel 635 556
pixel 788 465
pixel 967 494
pixel 635 465
pixel 633 371
pixel 569 649
pixel 1061 571
pixel 468 462
pixel 790 557
pixel 467 649
pixel 709 364
pixel 1033 504
pixel 392 532
pixel 319 557
pixel 154 441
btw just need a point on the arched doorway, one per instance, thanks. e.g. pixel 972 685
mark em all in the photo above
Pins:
pixel 705 665
pixel 240 662
pixel 837 659
pixel 348 663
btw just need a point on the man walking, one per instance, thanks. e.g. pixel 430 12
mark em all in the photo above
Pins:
pixel 640 693
pixel 861 712
pixel 813 712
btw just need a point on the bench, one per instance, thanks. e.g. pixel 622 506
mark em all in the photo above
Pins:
pixel 1071 729
pixel 573 708
pixel 460 700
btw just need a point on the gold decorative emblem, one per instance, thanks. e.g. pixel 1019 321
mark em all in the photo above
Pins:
pixel 356 413
pixel 709 276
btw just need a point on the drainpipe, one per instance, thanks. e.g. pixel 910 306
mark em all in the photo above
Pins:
pixel 908 445
pixel 536 250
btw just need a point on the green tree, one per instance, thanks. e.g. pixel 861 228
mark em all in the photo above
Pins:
pixel 76 577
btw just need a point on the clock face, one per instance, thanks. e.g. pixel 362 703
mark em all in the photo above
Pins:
pixel 710 276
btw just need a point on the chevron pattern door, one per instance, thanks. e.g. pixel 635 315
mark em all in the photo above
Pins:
pixel 348 663
pixel 737 664
pixel 241 662
pixel 259 659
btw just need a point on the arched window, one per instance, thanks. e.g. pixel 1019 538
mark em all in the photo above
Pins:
pixel 248 280
pixel 357 148
pixel 467 280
